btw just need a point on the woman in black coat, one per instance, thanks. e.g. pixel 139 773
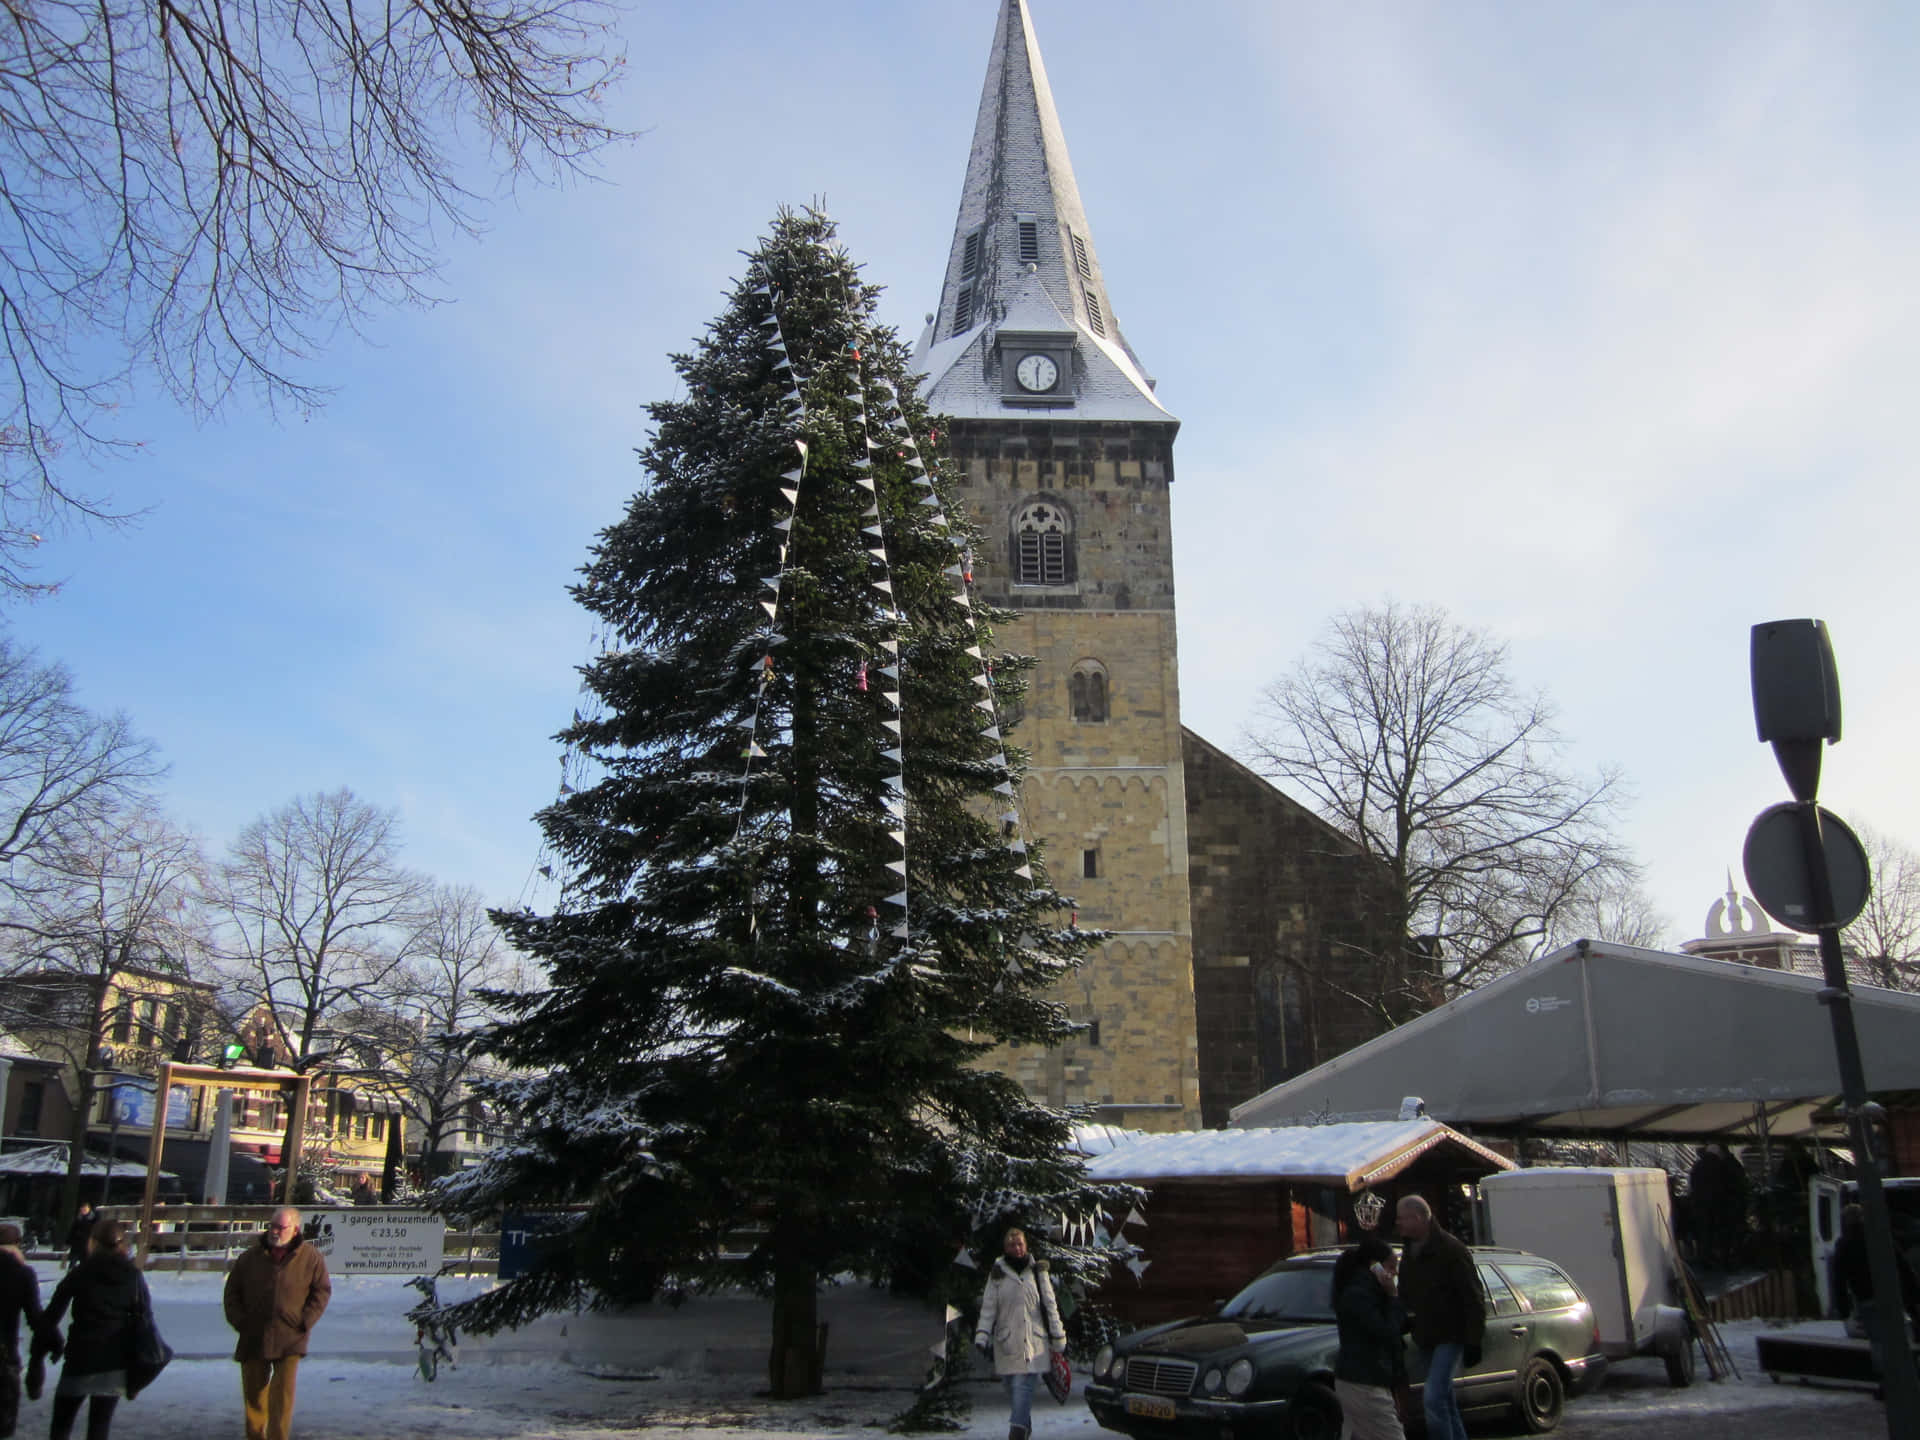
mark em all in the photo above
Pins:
pixel 105 1292
pixel 1373 1323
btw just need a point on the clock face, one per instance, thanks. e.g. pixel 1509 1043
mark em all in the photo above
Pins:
pixel 1036 372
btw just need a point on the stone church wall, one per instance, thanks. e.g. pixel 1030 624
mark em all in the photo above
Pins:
pixel 1287 915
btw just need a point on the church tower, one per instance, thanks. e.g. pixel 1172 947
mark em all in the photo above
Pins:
pixel 1067 460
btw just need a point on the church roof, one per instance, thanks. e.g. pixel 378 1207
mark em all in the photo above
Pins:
pixel 1023 257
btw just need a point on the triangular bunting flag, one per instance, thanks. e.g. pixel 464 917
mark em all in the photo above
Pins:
pixel 974 651
pixel 893 725
pixel 930 500
pixel 865 482
pixel 900 837
pixel 955 571
pixel 786 524
pixel 892 647
pixel 986 705
pixel 992 732
pixel 896 784
pixel 873 530
pixel 754 752
pixel 982 681
pixel 900 933
pixel 1025 872
pixel 1018 847
pixel 882 585
pixel 1005 787
pixel 899 867
pixel 893 670
pixel 893 755
pixel 792 474
pixel 771 607
pixel 900 900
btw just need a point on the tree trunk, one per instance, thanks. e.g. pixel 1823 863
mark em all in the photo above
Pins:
pixel 798 1357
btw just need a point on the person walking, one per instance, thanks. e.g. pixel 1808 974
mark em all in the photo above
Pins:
pixel 276 1293
pixel 105 1292
pixel 1850 1278
pixel 78 1232
pixel 1020 1327
pixel 19 1297
pixel 1441 1290
pixel 1373 1359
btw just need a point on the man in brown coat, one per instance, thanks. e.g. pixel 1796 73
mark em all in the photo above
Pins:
pixel 276 1293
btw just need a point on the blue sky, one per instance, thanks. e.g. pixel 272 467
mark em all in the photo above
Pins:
pixel 1595 323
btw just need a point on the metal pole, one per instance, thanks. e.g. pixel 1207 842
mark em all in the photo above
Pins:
pixel 1889 1331
pixel 113 1142
pixel 156 1147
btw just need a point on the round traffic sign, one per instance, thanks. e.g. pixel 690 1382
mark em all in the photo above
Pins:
pixel 1775 860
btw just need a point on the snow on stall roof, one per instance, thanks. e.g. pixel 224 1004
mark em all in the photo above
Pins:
pixel 1354 1154
pixel 1093 1140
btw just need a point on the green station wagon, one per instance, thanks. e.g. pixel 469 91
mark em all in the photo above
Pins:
pixel 1263 1366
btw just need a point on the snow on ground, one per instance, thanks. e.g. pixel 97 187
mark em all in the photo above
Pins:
pixel 543 1384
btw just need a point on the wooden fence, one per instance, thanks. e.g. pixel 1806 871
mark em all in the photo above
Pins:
pixel 208 1237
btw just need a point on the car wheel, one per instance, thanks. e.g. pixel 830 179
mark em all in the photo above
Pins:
pixel 1543 1399
pixel 1315 1414
pixel 1680 1363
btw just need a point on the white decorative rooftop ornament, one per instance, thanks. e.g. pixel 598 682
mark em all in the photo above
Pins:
pixel 1413 1108
pixel 1734 914
pixel 1368 1208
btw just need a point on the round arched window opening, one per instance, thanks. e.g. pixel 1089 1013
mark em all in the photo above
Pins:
pixel 1043 544
pixel 1087 693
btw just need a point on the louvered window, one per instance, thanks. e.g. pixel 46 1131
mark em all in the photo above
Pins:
pixel 970 256
pixel 1029 242
pixel 963 309
pixel 1080 260
pixel 1042 545
pixel 1094 317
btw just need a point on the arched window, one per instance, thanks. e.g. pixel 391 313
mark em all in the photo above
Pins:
pixel 1087 693
pixel 1043 544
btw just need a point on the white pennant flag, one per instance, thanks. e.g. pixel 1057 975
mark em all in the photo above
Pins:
pixel 771 607
pixel 899 838
pixel 900 899
pixel 992 732
pixel 1025 872
pixel 793 495
pixel 899 867
pixel 792 474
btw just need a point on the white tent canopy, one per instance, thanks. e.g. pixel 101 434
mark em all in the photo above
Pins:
pixel 1612 1040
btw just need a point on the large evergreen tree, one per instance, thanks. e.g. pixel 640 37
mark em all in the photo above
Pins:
pixel 755 1025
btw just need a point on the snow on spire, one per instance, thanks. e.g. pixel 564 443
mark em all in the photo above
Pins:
pixel 1023 255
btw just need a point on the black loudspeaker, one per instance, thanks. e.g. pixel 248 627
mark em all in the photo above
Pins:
pixel 1796 685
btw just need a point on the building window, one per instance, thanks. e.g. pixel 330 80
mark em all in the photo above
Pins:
pixel 33 1095
pixel 970 256
pixel 379 1127
pixel 1089 864
pixel 1093 1035
pixel 963 310
pixel 1029 239
pixel 123 1022
pixel 1043 545
pixel 1087 693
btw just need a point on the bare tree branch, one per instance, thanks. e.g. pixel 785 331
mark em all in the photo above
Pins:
pixel 1404 730
pixel 1887 932
pixel 201 191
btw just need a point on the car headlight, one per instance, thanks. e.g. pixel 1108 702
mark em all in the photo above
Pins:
pixel 1212 1381
pixel 1103 1362
pixel 1239 1376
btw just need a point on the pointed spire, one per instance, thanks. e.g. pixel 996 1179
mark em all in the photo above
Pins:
pixel 1023 258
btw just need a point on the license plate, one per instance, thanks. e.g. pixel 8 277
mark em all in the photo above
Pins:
pixel 1150 1407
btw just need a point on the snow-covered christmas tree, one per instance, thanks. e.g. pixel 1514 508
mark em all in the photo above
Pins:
pixel 797 907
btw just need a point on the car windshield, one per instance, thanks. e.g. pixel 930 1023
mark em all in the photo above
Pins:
pixel 1298 1292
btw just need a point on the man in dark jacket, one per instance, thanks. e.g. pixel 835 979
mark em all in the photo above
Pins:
pixel 19 1295
pixel 1441 1289
pixel 276 1293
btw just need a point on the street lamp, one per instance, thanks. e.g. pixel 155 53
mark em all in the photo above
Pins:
pixel 1795 854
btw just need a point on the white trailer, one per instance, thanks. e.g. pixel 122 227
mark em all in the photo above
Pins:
pixel 1612 1231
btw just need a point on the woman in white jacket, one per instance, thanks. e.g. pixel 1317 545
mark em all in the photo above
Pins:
pixel 1020 1327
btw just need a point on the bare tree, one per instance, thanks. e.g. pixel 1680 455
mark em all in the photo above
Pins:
pixel 1887 932
pixel 200 191
pixel 1404 730
pixel 113 916
pixel 313 906
pixel 1620 912
pixel 64 770
pixel 417 1043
